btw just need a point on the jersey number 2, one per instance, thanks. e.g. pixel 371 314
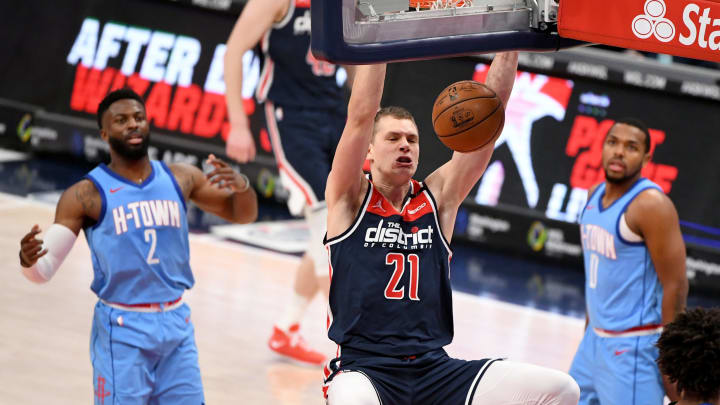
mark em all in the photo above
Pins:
pixel 151 237
pixel 398 259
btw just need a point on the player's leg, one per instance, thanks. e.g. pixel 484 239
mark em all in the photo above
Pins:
pixel 298 149
pixel 368 379
pixel 122 370
pixel 352 388
pixel 628 373
pixel 445 380
pixel 584 369
pixel 513 383
pixel 177 375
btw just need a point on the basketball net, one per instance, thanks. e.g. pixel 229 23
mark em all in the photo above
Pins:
pixel 439 4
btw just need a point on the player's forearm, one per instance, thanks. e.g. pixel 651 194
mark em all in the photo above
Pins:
pixel 244 206
pixel 366 92
pixel 501 76
pixel 674 299
pixel 233 86
pixel 58 241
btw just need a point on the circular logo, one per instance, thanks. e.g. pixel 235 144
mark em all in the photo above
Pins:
pixel 642 27
pixel 664 30
pixel 537 235
pixel 24 127
pixel 653 22
pixel 655 8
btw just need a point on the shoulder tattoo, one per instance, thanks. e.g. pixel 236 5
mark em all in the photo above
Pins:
pixel 86 195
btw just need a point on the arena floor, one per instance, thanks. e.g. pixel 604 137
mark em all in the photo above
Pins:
pixel 504 307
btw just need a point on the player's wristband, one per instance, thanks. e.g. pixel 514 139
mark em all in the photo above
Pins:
pixel 247 183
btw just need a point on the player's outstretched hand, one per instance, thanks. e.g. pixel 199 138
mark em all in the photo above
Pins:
pixel 240 145
pixel 31 248
pixel 224 176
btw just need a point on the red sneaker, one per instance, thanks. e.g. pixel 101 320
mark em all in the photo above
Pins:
pixel 292 345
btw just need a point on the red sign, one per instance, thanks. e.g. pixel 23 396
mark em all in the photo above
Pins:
pixel 689 28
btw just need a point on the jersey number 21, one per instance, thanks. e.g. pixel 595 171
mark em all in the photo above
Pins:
pixel 392 292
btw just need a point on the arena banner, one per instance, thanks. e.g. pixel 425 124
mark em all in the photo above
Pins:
pixel 518 232
pixel 686 28
pixel 171 54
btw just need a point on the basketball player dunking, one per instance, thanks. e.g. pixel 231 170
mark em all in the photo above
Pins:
pixel 133 214
pixel 388 244
pixel 635 276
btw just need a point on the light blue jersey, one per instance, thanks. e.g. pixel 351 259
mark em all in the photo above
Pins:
pixel 615 362
pixel 622 290
pixel 139 245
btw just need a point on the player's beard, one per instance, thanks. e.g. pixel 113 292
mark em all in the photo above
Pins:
pixel 623 179
pixel 130 152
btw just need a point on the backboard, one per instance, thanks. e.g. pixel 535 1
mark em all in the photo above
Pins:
pixel 366 31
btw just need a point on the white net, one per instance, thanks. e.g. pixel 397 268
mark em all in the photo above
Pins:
pixel 439 4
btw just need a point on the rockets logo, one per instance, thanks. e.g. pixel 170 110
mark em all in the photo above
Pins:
pixel 653 22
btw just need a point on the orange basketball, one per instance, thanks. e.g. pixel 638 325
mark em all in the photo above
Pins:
pixel 468 116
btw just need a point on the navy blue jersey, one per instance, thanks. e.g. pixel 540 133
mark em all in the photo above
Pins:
pixel 390 278
pixel 139 245
pixel 291 75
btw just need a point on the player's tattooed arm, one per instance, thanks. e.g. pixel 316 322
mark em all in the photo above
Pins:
pixel 223 192
pixel 78 205
pixel 186 180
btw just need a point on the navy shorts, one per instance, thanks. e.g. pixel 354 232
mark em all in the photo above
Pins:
pixel 426 379
pixel 304 142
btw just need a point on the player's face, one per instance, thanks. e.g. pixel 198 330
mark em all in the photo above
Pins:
pixel 624 154
pixel 126 129
pixel 395 149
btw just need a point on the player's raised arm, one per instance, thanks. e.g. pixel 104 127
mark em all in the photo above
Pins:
pixel 223 192
pixel 345 179
pixel 41 258
pixel 452 182
pixel 257 17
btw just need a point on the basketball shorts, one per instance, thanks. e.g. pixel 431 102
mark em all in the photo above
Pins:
pixel 144 357
pixel 427 379
pixel 304 143
pixel 618 370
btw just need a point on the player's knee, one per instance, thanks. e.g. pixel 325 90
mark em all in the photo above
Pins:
pixel 564 389
pixel 352 388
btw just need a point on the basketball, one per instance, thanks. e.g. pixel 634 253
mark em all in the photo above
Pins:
pixel 468 116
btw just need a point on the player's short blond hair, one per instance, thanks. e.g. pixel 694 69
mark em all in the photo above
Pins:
pixel 395 112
